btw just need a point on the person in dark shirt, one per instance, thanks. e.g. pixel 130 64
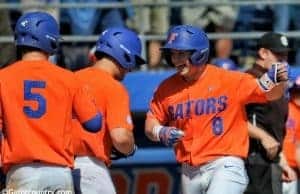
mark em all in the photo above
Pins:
pixel 267 122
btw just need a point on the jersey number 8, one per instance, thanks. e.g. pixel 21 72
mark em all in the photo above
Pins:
pixel 217 125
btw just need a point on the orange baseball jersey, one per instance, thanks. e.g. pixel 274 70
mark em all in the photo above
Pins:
pixel 37 99
pixel 210 111
pixel 113 100
pixel 291 137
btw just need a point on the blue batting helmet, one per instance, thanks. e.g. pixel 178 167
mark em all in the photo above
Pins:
pixel 225 63
pixel 38 30
pixel 121 44
pixel 188 38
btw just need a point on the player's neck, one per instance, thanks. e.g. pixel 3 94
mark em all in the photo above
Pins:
pixel 195 74
pixel 105 65
pixel 35 56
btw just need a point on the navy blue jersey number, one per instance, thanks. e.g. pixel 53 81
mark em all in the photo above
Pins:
pixel 217 125
pixel 29 95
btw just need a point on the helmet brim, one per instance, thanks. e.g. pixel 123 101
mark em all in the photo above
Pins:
pixel 177 48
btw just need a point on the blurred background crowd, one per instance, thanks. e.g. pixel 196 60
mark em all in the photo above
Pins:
pixel 152 18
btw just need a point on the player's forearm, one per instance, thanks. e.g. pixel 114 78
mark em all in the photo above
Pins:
pixel 283 162
pixel 122 140
pixel 277 91
pixel 256 132
pixel 149 127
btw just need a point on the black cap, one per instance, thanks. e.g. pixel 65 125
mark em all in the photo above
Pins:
pixel 275 42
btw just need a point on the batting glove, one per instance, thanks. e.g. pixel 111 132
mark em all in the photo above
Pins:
pixel 116 154
pixel 277 73
pixel 168 135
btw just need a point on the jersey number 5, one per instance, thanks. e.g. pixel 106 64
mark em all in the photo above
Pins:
pixel 34 96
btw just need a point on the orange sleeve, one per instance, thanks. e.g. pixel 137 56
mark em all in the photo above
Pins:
pixel 84 104
pixel 249 90
pixel 118 108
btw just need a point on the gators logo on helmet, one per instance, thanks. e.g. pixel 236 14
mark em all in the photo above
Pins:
pixel 172 37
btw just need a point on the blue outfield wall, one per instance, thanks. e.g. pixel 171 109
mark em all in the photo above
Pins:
pixel 141 85
pixel 148 156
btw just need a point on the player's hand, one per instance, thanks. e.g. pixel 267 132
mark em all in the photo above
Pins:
pixel 271 146
pixel 116 154
pixel 277 73
pixel 170 135
pixel 288 174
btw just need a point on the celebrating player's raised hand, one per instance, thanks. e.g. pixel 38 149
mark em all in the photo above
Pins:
pixel 277 73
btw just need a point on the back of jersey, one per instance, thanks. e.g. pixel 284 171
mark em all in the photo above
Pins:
pixel 36 108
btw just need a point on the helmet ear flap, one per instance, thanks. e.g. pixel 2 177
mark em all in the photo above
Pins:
pixel 200 57
pixel 167 56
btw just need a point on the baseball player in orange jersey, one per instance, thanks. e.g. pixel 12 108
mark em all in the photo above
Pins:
pixel 292 138
pixel 37 99
pixel 118 51
pixel 200 112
